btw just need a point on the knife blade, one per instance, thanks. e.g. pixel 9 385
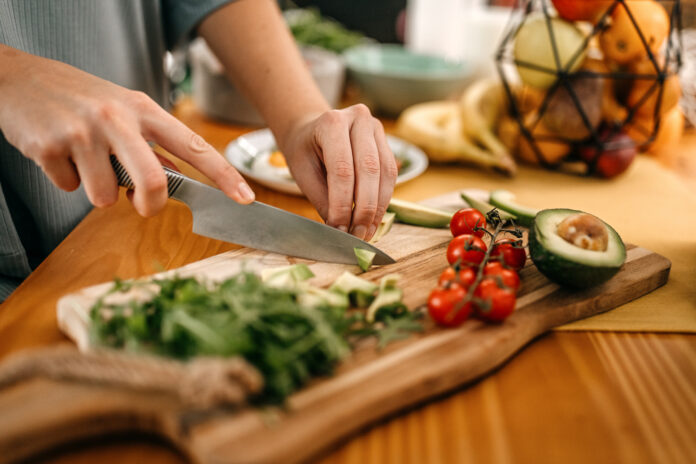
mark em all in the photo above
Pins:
pixel 258 225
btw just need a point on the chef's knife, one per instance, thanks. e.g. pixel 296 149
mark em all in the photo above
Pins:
pixel 258 225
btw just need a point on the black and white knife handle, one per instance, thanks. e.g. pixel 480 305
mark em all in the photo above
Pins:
pixel 174 179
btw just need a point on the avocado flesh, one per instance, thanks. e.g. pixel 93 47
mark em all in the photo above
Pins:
pixel 419 215
pixel 567 264
pixel 506 201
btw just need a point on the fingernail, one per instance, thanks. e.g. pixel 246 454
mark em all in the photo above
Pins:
pixel 370 232
pixel 359 231
pixel 342 228
pixel 245 193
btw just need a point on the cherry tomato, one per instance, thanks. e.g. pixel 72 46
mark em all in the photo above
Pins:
pixel 510 253
pixel 468 221
pixel 446 305
pixel 508 277
pixel 464 277
pixel 496 303
pixel 467 249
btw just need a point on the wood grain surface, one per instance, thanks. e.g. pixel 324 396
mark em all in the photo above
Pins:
pixel 568 397
pixel 367 387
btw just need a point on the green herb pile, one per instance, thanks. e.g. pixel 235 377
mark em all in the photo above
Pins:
pixel 310 28
pixel 288 342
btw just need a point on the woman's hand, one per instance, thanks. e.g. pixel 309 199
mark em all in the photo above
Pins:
pixel 342 162
pixel 69 122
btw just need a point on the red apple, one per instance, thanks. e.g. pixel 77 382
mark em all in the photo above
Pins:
pixel 581 10
pixel 616 156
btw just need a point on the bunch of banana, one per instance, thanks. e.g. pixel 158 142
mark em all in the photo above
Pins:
pixel 463 131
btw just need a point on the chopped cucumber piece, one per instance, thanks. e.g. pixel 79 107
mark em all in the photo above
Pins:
pixel 313 297
pixel 484 207
pixel 506 201
pixel 419 215
pixel 286 276
pixel 361 292
pixel 384 226
pixel 365 258
pixel 389 295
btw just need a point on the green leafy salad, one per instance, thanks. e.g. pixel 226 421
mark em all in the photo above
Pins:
pixel 288 329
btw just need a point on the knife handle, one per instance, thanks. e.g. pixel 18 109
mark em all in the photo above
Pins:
pixel 174 179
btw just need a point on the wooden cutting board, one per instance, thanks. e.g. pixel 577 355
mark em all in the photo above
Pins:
pixel 372 384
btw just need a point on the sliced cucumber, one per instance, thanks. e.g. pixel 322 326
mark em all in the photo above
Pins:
pixel 389 295
pixel 286 276
pixel 506 201
pixel 384 226
pixel 361 292
pixel 419 215
pixel 365 258
pixel 484 207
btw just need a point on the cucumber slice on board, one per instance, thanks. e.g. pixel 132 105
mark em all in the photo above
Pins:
pixel 568 264
pixel 365 258
pixel 505 200
pixel 484 207
pixel 419 215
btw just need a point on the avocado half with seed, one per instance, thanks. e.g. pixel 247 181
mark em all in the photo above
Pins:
pixel 575 249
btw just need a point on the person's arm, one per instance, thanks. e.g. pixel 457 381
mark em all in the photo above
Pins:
pixel 339 158
pixel 69 122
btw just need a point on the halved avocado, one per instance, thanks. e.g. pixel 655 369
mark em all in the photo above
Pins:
pixel 567 263
pixel 506 201
pixel 419 215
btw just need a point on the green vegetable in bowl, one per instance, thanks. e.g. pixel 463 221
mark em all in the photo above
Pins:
pixel 310 28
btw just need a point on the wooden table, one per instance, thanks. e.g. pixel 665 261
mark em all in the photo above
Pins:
pixel 568 397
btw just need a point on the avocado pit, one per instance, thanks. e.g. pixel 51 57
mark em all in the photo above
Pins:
pixel 584 231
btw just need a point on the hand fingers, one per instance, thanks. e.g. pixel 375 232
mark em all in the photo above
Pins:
pixel 92 161
pixel 312 178
pixel 367 172
pixel 136 156
pixel 388 173
pixel 334 142
pixel 182 142
pixel 62 172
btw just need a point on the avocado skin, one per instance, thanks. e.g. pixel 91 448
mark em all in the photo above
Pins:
pixel 564 271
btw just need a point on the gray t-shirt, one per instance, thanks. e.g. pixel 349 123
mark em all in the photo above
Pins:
pixel 123 41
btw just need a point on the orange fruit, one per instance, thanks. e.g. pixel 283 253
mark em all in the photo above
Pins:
pixel 668 134
pixel 552 151
pixel 621 42
pixel 671 90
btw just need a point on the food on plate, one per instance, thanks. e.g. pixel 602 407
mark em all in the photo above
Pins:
pixel 505 200
pixel 437 128
pixel 562 115
pixel 288 329
pixel 551 150
pixel 533 49
pixel 575 249
pixel 466 250
pixel 419 215
pixel 617 152
pixel 621 42
pixel 364 257
pixel 468 221
pixel 484 207
pixel 581 10
pixel 272 165
pixel 481 106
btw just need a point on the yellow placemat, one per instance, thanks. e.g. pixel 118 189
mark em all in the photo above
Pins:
pixel 648 205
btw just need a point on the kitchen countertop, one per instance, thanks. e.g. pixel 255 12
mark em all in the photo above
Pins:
pixel 568 397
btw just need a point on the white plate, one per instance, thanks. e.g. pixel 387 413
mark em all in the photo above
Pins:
pixel 249 154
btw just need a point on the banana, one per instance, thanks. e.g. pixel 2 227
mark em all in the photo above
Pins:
pixel 481 106
pixel 437 128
